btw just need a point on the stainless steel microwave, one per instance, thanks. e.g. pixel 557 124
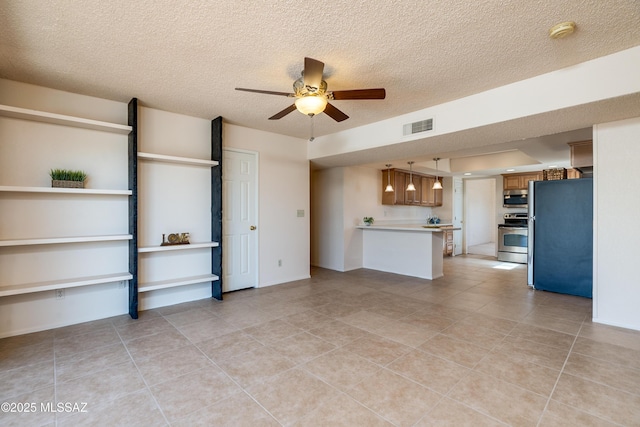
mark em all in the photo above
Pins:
pixel 515 199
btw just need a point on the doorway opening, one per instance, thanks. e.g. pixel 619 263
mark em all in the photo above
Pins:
pixel 480 216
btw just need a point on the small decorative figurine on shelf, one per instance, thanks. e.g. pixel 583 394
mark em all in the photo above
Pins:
pixel 368 220
pixel 433 220
pixel 175 239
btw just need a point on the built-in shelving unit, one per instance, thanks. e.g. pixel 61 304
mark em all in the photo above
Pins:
pixel 175 159
pixel 178 247
pixel 165 209
pixel 173 283
pixel 28 195
pixel 51 190
pixel 64 240
pixel 61 119
pixel 62 284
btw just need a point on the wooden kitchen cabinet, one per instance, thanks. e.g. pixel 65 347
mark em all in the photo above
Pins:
pixel 448 241
pixel 520 181
pixel 423 196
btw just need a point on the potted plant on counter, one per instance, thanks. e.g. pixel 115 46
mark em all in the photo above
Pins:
pixel 65 178
pixel 368 220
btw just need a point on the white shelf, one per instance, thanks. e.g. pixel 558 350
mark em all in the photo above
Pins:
pixel 62 284
pixel 178 247
pixel 175 159
pixel 60 119
pixel 173 283
pixel 19 189
pixel 63 240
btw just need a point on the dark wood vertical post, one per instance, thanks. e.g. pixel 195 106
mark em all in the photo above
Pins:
pixel 216 207
pixel 133 208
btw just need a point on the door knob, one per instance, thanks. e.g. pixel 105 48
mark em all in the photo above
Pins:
pixel 253 227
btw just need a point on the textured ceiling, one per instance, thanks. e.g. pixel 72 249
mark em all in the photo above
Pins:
pixel 187 56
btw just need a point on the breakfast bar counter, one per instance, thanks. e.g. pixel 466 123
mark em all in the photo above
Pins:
pixel 411 250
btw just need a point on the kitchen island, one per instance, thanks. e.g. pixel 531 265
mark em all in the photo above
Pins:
pixel 411 250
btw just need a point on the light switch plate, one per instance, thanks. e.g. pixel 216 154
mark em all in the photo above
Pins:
pixel 300 213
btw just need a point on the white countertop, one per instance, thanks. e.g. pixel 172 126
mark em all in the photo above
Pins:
pixel 431 228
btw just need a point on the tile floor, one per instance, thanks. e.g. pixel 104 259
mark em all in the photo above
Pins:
pixel 363 348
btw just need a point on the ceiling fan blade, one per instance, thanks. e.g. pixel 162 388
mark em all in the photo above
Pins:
pixel 267 92
pixel 334 113
pixel 359 94
pixel 313 72
pixel 283 113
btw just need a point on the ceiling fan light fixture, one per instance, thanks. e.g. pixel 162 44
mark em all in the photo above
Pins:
pixel 311 105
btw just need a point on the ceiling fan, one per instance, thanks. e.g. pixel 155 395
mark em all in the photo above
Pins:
pixel 312 96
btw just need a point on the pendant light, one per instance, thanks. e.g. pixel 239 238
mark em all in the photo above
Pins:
pixel 389 188
pixel 437 185
pixel 411 187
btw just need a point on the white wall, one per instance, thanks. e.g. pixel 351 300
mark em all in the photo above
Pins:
pixel 327 191
pixel 616 293
pixel 480 202
pixel 284 186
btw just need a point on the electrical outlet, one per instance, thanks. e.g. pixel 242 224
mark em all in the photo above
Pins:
pixel 279 263
pixel 59 293
pixel 122 284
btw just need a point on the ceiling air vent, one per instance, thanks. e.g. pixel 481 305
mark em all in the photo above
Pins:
pixel 417 127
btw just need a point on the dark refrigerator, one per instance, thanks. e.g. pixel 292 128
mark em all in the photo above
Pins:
pixel 560 243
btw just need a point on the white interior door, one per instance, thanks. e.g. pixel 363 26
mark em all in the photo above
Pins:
pixel 240 220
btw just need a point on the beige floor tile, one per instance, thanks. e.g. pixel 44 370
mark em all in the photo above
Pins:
pixel 338 333
pixel 172 364
pixel 395 398
pixel 342 411
pixel 272 331
pixel 611 335
pixel 427 320
pixel 37 415
pixel 598 399
pixel 255 366
pixel 130 331
pixel 100 387
pixel 496 324
pixel 229 345
pixel 431 371
pixel 608 352
pixel 453 414
pixel 499 399
pixel 89 362
pixel 206 329
pixel 291 395
pixel 14 356
pixel 377 349
pixel 341 368
pixel 543 336
pixel 308 319
pixel 559 415
pixel 131 410
pixel 152 345
pixel 26 379
pixel 182 318
pixel 520 372
pixel 474 334
pixel 302 347
pixel 79 343
pixel 20 341
pixel 538 353
pixel 234 411
pixel 188 393
pixel 617 376
pixel 555 323
pixel 458 351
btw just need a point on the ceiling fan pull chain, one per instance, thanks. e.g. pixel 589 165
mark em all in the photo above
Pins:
pixel 311 138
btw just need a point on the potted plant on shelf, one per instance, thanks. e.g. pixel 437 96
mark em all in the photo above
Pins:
pixel 368 220
pixel 67 178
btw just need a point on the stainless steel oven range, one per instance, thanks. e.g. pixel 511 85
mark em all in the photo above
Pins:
pixel 512 238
